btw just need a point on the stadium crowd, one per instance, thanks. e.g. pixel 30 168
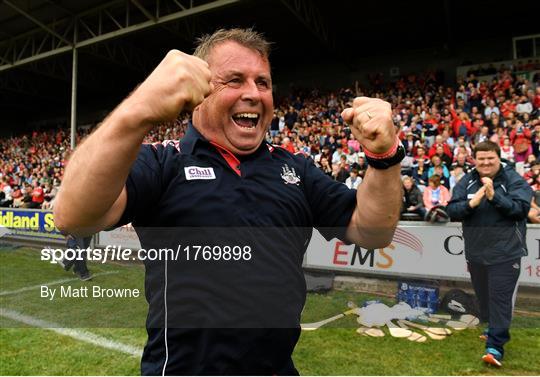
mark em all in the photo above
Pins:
pixel 438 125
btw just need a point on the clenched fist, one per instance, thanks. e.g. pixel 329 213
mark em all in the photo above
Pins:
pixel 179 82
pixel 371 123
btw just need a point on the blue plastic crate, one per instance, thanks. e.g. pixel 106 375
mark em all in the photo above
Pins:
pixel 419 295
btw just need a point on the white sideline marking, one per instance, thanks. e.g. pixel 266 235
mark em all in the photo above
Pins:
pixel 81 335
pixel 56 282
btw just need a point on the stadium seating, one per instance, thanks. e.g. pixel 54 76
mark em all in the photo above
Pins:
pixel 432 119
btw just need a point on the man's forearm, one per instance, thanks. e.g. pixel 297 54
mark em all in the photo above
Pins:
pixel 98 169
pixel 91 195
pixel 379 200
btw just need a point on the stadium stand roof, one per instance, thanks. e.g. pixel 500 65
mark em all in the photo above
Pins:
pixel 119 41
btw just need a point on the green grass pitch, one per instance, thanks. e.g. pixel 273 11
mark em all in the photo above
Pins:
pixel 335 349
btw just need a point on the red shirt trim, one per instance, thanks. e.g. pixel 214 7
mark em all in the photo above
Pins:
pixel 231 159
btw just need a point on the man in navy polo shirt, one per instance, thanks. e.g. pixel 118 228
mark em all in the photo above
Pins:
pixel 241 209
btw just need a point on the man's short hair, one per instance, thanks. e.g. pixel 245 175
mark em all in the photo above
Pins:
pixel 244 37
pixel 487 146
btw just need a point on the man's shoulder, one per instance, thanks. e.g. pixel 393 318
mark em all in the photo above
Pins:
pixel 279 152
pixel 512 177
pixel 160 150
pixel 510 174
pixel 163 146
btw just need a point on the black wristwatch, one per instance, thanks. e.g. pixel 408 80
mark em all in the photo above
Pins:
pixel 385 163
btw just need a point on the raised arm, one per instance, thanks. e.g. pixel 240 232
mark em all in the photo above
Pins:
pixel 92 196
pixel 379 197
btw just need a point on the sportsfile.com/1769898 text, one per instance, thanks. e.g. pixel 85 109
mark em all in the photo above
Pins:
pixel 185 253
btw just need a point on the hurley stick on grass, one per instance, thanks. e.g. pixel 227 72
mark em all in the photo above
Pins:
pixel 440 336
pixel 315 325
pixel 398 332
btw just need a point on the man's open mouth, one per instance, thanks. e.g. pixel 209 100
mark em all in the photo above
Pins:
pixel 246 120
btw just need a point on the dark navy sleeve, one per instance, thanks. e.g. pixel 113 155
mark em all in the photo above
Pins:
pixel 332 203
pixel 144 183
pixel 458 207
pixel 517 201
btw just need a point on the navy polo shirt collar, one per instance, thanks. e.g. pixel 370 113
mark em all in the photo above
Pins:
pixel 192 137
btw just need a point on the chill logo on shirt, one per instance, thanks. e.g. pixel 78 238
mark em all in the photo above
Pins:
pixel 289 175
pixel 196 172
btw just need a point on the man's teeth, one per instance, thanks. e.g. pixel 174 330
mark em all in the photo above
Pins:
pixel 247 115
pixel 246 120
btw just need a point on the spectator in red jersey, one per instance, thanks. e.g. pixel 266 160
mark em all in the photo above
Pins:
pixel 38 196
pixel 288 145
pixel 17 196
pixel 439 142
pixel 461 123
pixel 536 101
pixel 535 140
pixel 420 107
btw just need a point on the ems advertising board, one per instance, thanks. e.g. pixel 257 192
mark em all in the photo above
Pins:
pixel 425 251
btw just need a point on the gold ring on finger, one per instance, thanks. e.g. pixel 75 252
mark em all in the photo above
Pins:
pixel 369 115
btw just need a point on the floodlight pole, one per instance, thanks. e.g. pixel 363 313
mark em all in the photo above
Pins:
pixel 74 100
pixel 74 94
